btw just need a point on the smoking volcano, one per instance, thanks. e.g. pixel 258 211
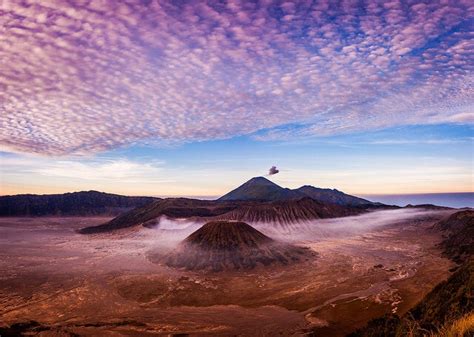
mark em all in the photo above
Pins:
pixel 229 245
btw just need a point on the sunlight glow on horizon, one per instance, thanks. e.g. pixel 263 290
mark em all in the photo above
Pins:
pixel 187 171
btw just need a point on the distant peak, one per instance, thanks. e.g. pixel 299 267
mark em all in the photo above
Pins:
pixel 259 188
pixel 260 180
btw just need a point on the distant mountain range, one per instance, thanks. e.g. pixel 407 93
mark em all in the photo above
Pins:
pixel 85 203
pixel 282 213
pixel 256 201
pixel 258 189
pixel 262 189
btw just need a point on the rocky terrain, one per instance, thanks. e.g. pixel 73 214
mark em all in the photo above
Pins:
pixel 289 212
pixel 258 200
pixel 88 203
pixel 280 213
pixel 236 267
pixel 449 307
pixel 56 282
pixel 334 196
pixel 458 230
pixel 228 245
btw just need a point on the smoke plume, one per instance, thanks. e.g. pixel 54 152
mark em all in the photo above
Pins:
pixel 273 170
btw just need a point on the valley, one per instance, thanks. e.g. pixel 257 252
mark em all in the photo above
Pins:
pixel 112 284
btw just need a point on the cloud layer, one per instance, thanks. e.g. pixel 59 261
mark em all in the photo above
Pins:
pixel 101 74
pixel 106 170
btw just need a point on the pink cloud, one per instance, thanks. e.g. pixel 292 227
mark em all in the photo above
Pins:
pixel 91 77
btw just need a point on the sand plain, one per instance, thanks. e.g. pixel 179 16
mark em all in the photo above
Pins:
pixel 110 284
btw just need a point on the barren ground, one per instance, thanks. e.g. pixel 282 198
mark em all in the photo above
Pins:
pixel 107 285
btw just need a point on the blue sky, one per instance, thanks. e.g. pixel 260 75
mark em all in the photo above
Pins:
pixel 193 97
pixel 410 159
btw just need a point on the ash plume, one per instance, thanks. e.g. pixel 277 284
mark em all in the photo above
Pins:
pixel 273 170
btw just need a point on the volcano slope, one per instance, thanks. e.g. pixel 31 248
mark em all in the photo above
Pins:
pixel 458 230
pixel 257 201
pixel 227 245
pixel 85 203
pixel 282 212
pixel 449 307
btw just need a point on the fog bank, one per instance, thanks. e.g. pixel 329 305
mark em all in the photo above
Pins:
pixel 171 231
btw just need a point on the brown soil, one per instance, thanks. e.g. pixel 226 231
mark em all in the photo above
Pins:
pixel 106 284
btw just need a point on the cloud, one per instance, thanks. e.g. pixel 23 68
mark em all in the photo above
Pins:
pixel 273 170
pixel 463 117
pixel 120 170
pixel 88 77
pixel 323 229
pixel 105 170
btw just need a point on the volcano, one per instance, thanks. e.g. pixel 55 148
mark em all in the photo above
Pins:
pixel 261 189
pixel 256 201
pixel 285 212
pixel 227 245
pixel 332 196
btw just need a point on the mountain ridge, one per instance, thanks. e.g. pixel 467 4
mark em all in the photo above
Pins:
pixel 285 212
pixel 280 212
pixel 83 203
pixel 262 189
pixel 258 200
pixel 458 232
pixel 333 195
pixel 449 301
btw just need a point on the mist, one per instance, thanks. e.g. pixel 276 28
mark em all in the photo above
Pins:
pixel 169 232
pixel 166 234
pixel 322 229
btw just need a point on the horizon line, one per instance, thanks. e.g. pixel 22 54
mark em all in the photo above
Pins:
pixel 218 196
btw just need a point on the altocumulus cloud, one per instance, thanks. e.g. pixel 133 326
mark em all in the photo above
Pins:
pixel 86 76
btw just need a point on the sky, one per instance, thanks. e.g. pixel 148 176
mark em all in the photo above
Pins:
pixel 193 98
